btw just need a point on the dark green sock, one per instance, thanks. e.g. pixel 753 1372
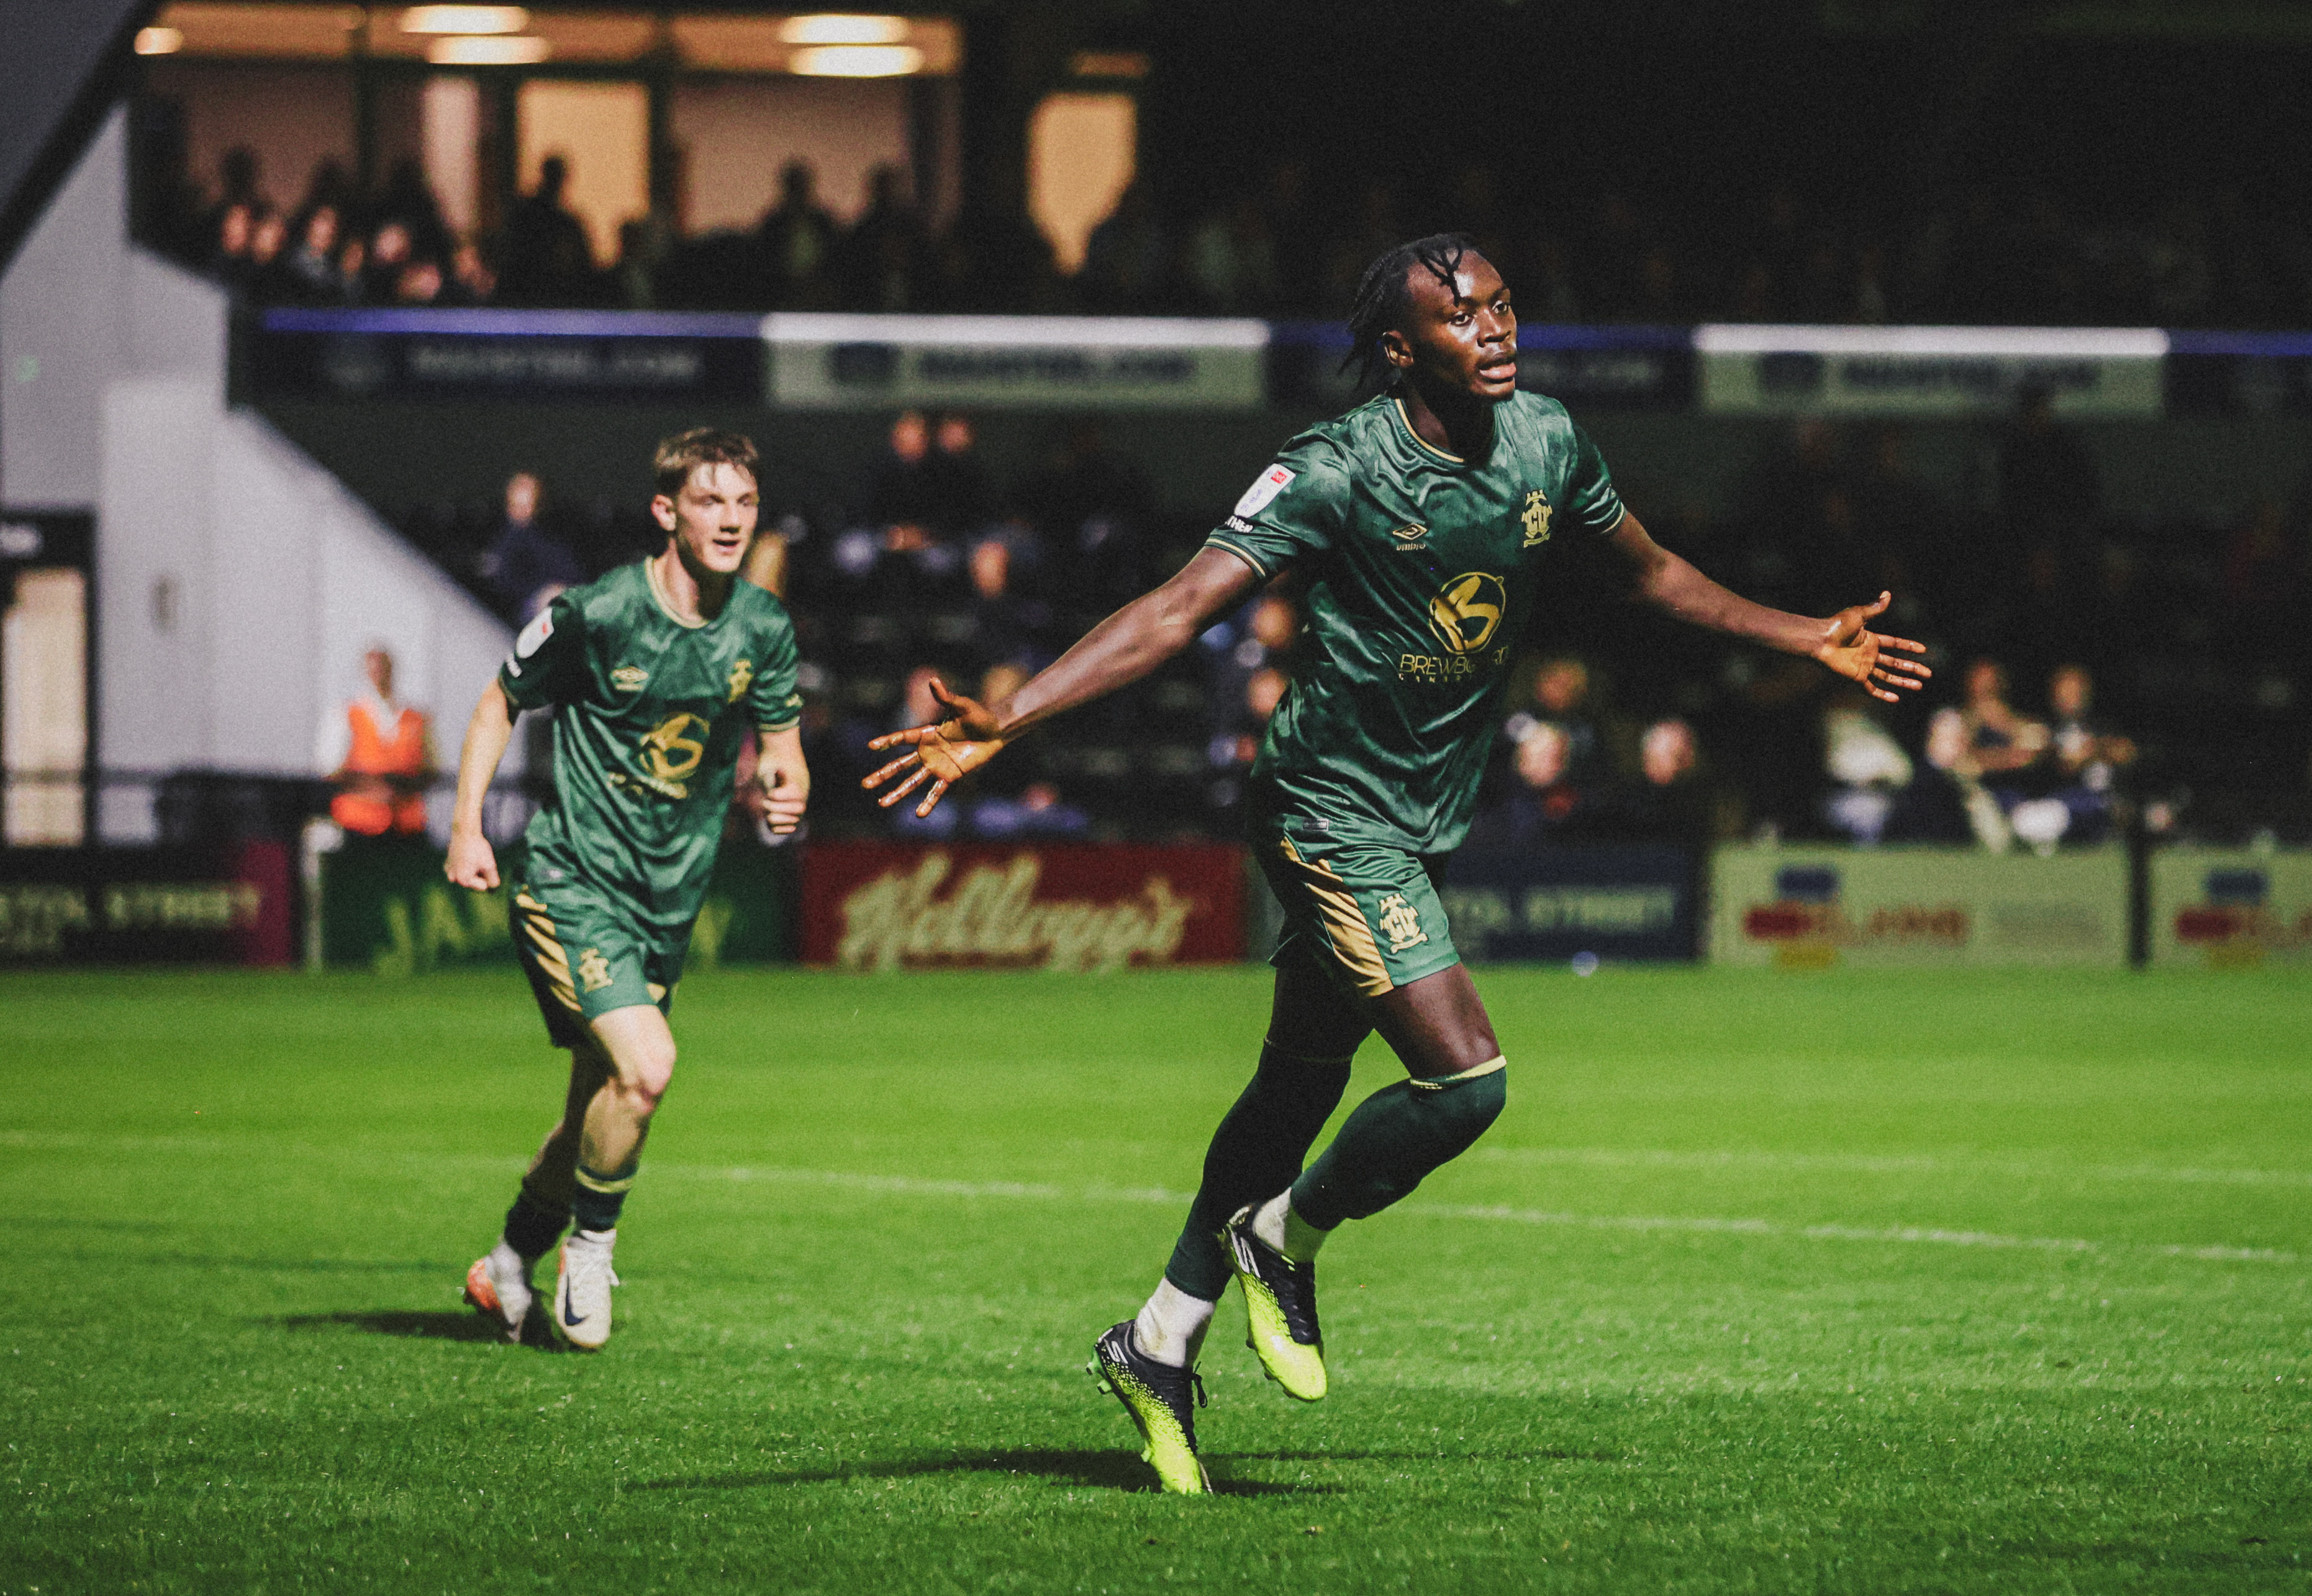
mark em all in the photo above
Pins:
pixel 595 1201
pixel 1254 1155
pixel 533 1225
pixel 1392 1140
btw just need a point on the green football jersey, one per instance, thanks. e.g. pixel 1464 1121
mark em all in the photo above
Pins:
pixel 652 713
pixel 1421 570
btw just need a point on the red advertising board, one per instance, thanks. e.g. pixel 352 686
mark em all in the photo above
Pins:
pixel 1058 905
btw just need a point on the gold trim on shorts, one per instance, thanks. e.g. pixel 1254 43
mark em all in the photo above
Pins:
pixel 539 926
pixel 1345 927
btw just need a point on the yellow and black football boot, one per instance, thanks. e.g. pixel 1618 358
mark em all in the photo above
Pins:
pixel 1162 1401
pixel 1280 1308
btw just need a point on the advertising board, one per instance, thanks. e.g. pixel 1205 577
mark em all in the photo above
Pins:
pixel 1510 904
pixel 147 906
pixel 1800 908
pixel 2230 908
pixel 1927 371
pixel 874 906
pixel 386 907
pixel 487 354
pixel 830 362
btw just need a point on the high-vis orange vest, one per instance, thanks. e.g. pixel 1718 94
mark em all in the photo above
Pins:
pixel 374 753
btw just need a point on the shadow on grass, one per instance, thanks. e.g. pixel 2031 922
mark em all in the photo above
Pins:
pixel 448 1324
pixel 1548 1454
pixel 1104 1470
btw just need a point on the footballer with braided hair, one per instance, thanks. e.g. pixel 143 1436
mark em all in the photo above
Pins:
pixel 1419 529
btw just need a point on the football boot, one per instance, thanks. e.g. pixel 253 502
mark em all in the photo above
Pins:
pixel 1280 1305
pixel 498 1288
pixel 1162 1402
pixel 581 1290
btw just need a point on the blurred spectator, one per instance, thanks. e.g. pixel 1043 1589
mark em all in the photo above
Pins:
pixel 797 238
pixel 1129 255
pixel 230 260
pixel 391 255
pixel 882 254
pixel 2086 756
pixel 1089 505
pixel 1035 808
pixel 309 270
pixel 1246 657
pixel 378 753
pixel 548 260
pixel 1869 767
pixel 1670 802
pixel 525 565
pixel 960 485
pixel 1985 745
pixel 918 707
pixel 1008 626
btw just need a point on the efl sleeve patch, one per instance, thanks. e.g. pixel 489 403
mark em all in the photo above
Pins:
pixel 534 635
pixel 1269 484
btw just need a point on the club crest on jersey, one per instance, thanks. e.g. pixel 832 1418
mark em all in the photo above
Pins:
pixel 629 678
pixel 1536 519
pixel 1270 483
pixel 1400 924
pixel 1467 610
pixel 741 673
pixel 593 970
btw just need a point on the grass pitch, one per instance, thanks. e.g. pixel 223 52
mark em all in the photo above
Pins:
pixel 1832 1283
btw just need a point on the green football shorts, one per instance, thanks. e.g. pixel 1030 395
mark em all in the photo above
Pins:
pixel 584 957
pixel 1369 913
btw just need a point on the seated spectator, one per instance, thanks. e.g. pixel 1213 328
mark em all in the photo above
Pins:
pixel 1984 747
pixel 2087 758
pixel 961 489
pixel 1036 809
pixel 1670 801
pixel 309 272
pixel 905 548
pixel 229 257
pixel 1869 766
pixel 525 565
pixel 1256 639
pixel 1008 627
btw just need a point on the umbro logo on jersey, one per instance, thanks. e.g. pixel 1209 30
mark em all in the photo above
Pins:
pixel 1411 536
pixel 629 678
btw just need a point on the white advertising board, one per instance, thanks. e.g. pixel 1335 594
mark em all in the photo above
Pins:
pixel 2230 908
pixel 828 362
pixel 1927 371
pixel 1803 907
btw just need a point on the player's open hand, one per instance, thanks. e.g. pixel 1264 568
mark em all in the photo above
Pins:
pixel 472 863
pixel 1849 647
pixel 941 754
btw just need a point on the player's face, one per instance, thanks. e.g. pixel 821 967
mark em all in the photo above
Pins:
pixel 1462 341
pixel 713 517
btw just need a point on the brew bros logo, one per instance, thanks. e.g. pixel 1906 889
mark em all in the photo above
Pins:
pixel 670 753
pixel 1467 610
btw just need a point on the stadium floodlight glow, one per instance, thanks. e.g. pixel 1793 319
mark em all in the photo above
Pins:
pixel 159 42
pixel 464 19
pixel 496 49
pixel 835 27
pixel 857 60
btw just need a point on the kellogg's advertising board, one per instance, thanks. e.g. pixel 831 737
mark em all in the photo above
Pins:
pixel 2230 908
pixel 874 906
pixel 1809 908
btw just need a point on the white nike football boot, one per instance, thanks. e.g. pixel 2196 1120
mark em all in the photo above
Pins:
pixel 581 1290
pixel 498 1287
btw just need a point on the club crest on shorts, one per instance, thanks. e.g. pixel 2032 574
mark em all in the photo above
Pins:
pixel 1534 519
pixel 593 970
pixel 1400 924
pixel 1271 482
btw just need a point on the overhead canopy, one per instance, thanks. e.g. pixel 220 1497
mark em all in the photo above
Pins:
pixel 59 72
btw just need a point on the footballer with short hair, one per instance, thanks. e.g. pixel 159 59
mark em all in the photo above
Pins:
pixel 656 673
pixel 1419 529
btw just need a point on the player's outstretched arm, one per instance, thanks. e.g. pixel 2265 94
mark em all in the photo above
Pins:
pixel 472 862
pixel 783 777
pixel 1117 653
pixel 1844 642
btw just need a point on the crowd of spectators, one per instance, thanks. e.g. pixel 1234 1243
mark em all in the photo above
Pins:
pixel 1278 247
pixel 2090 670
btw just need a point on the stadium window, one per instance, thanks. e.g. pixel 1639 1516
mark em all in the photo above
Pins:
pixel 602 130
pixel 1082 151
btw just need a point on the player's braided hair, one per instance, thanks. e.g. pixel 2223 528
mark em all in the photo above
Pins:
pixel 1384 293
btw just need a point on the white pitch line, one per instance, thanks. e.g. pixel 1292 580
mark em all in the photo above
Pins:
pixel 1865 1164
